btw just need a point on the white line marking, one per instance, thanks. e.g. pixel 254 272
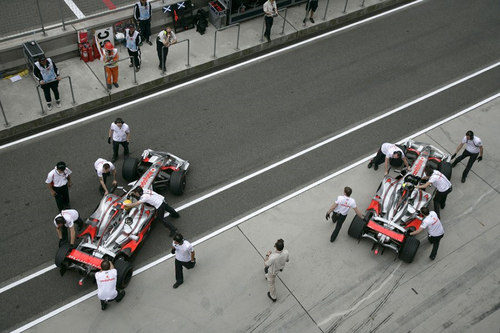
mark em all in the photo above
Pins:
pixel 27 278
pixel 206 76
pixel 74 8
pixel 257 212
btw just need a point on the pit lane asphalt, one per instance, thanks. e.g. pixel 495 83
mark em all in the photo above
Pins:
pixel 238 122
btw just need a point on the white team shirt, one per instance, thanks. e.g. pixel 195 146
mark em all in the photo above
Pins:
pixel 98 166
pixel 165 37
pixel 106 284
pixel 58 179
pixel 440 181
pixel 433 225
pixel 269 7
pixel 69 215
pixel 276 261
pixel 388 149
pixel 183 251
pixel 343 204
pixel 152 198
pixel 120 134
pixel 472 146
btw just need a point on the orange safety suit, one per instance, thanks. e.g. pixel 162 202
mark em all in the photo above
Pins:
pixel 111 65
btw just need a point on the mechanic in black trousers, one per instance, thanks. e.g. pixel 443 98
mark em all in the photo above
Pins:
pixel 47 74
pixel 66 221
pixel 119 133
pixel 58 181
pixel 270 10
pixel 442 185
pixel 391 155
pixel 142 16
pixel 340 208
pixel 434 227
pixel 106 284
pixel 473 150
pixel 157 201
pixel 184 257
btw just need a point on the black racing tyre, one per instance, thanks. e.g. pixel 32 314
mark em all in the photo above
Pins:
pixel 409 249
pixel 124 272
pixel 61 254
pixel 445 168
pixel 129 170
pixel 368 216
pixel 177 182
pixel 357 227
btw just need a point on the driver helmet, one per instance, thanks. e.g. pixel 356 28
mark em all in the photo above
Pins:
pixel 127 202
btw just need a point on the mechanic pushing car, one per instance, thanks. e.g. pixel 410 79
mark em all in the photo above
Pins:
pixel 391 154
pixel 442 185
pixel 106 284
pixel 104 169
pixel 65 222
pixel 157 201
pixel 434 227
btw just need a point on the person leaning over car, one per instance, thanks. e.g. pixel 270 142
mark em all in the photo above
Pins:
pixel 104 169
pixel 340 208
pixel 442 185
pixel 391 154
pixel 58 180
pixel 434 227
pixel 106 284
pixel 66 221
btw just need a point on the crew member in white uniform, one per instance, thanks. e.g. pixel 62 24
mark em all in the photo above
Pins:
pixel 106 284
pixel 434 228
pixel 58 181
pixel 119 132
pixel 47 74
pixel 184 257
pixel 340 208
pixel 473 150
pixel 156 200
pixel 64 222
pixel 390 154
pixel 273 264
pixel 103 169
pixel 132 41
pixel 142 16
pixel 270 10
pixel 165 38
pixel 442 185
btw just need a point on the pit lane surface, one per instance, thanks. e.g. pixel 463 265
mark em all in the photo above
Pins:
pixel 238 122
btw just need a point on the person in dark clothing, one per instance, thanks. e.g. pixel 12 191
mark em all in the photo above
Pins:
pixel 47 74
pixel 142 16
pixel 132 41
pixel 58 181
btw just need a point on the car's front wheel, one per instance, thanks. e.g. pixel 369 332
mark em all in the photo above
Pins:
pixel 129 170
pixel 124 271
pixel 177 182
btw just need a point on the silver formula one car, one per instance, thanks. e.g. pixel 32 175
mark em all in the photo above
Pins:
pixel 394 210
pixel 114 232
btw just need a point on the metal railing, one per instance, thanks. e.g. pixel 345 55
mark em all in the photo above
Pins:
pixel 133 70
pixel 282 28
pixel 6 123
pixel 326 9
pixel 164 65
pixel 345 7
pixel 40 96
pixel 237 37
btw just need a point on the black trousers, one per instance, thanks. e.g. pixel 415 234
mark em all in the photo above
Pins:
pixel 179 277
pixel 472 159
pixel 435 244
pixel 380 158
pixel 269 24
pixel 339 220
pixel 136 60
pixel 145 29
pixel 161 211
pixel 47 87
pixel 62 197
pixel 116 145
pixel 440 200
pixel 162 55
pixel 104 179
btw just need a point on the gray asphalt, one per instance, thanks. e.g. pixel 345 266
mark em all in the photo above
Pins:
pixel 240 121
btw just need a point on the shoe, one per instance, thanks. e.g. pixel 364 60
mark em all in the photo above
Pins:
pixel 304 21
pixel 443 205
pixel 311 19
pixel 149 42
pixel 177 284
pixel 332 239
pixel 370 164
pixel 375 167
pixel 62 270
pixel 138 68
pixel 109 86
pixel 49 106
pixel 120 296
pixel 130 65
pixel 463 179
pixel 272 299
pixel 116 85
pixel 58 104
pixel 432 257
pixel 175 216
pixel 104 304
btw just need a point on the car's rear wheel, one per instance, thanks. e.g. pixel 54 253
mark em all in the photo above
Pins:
pixel 357 227
pixel 61 254
pixel 124 271
pixel 177 182
pixel 409 249
pixel 129 170
pixel 445 168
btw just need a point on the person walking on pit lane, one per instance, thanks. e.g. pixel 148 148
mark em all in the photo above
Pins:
pixel 473 150
pixel 142 17
pixel 104 169
pixel 434 228
pixel 311 6
pixel 340 208
pixel 47 74
pixel 391 155
pixel 119 133
pixel 184 257
pixel 442 185
pixel 158 202
pixel 106 284
pixel 273 264
pixel 132 41
pixel 165 38
pixel 58 181
pixel 270 10
pixel 110 58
